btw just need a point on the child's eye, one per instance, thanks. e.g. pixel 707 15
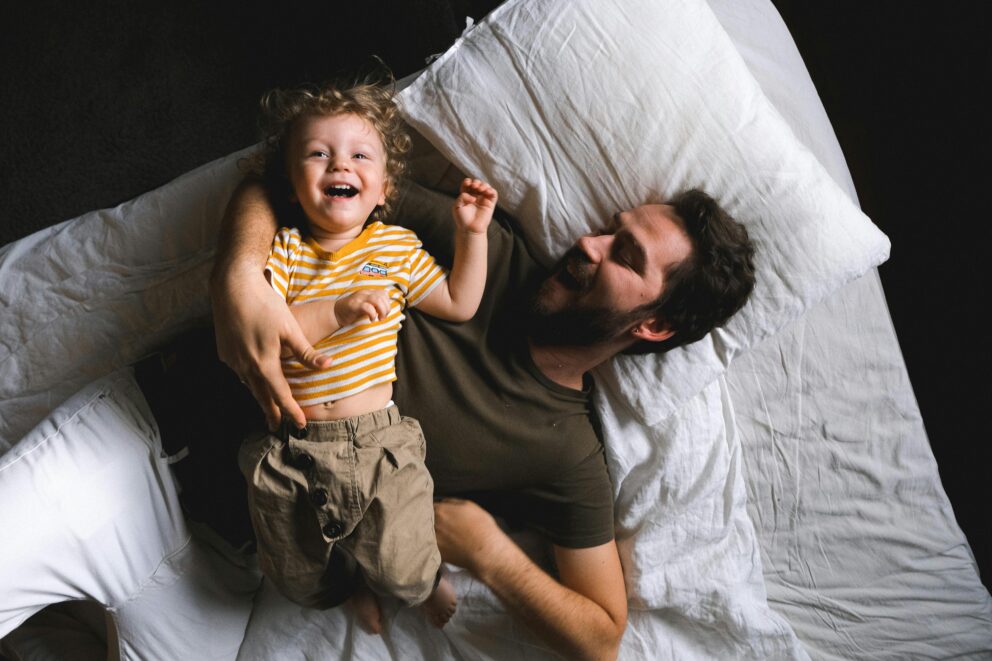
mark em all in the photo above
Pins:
pixel 318 153
pixel 360 155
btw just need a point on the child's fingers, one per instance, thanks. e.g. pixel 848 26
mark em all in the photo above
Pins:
pixel 381 303
pixel 472 189
pixel 369 311
pixel 474 186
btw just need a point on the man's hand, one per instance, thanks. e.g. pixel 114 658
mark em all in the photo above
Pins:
pixel 252 323
pixel 371 304
pixel 473 208
pixel 467 534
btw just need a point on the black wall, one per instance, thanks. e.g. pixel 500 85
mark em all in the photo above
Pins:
pixel 103 101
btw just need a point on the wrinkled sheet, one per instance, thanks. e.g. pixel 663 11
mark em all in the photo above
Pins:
pixel 860 548
pixel 852 536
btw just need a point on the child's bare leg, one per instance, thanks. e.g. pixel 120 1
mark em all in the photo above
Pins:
pixel 365 604
pixel 440 606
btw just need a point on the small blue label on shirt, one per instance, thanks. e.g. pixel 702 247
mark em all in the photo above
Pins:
pixel 374 270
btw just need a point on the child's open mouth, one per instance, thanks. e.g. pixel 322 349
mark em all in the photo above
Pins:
pixel 341 190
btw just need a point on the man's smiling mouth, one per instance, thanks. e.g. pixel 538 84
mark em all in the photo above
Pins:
pixel 341 190
pixel 566 279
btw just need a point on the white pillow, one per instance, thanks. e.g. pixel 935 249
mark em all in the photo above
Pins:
pixel 90 511
pixel 87 503
pixel 575 109
pixel 89 295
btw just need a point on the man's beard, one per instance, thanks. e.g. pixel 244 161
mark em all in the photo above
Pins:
pixel 579 326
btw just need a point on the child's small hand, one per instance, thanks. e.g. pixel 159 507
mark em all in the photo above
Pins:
pixel 473 209
pixel 371 304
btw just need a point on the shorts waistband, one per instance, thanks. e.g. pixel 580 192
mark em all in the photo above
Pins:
pixel 328 431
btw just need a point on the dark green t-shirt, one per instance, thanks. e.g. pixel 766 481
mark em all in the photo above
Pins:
pixel 498 431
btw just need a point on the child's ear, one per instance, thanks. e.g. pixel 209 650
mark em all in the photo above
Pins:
pixel 386 187
pixel 652 330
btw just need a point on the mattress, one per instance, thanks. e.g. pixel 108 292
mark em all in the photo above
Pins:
pixel 854 525
pixel 857 552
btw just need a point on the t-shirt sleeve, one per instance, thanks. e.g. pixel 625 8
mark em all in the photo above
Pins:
pixel 280 257
pixel 583 517
pixel 575 511
pixel 425 275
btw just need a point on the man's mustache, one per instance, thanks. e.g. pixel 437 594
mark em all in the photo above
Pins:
pixel 575 270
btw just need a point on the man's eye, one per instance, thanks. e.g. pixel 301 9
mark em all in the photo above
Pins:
pixel 623 258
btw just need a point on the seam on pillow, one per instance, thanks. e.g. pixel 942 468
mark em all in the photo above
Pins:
pixel 149 579
pixel 86 406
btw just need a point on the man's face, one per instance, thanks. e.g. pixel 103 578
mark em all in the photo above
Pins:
pixel 597 290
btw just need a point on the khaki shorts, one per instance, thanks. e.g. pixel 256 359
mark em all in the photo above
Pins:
pixel 349 492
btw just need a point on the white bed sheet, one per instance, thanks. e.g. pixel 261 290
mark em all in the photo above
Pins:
pixel 860 550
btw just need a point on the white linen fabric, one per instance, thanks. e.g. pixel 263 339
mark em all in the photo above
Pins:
pixel 90 512
pixel 107 286
pixel 87 296
pixel 829 425
pixel 575 109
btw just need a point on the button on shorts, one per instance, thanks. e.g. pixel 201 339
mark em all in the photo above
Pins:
pixel 346 493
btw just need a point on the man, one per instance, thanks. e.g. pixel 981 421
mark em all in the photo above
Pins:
pixel 504 398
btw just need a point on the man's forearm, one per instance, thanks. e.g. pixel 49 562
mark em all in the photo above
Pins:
pixel 583 616
pixel 245 236
pixel 573 624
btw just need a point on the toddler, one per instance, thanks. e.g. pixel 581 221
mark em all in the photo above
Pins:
pixel 345 505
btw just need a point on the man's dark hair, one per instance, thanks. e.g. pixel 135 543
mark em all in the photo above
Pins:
pixel 704 290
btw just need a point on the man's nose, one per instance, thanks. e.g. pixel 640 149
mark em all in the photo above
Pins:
pixel 595 246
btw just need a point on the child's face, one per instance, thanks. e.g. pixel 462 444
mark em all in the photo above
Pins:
pixel 337 167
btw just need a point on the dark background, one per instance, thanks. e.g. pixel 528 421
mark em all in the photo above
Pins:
pixel 103 101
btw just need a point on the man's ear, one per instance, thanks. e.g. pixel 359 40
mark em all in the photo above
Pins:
pixel 652 330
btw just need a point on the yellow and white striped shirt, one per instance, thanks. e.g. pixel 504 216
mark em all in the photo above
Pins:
pixel 382 256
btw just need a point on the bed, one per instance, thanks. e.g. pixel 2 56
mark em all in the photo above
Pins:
pixel 776 495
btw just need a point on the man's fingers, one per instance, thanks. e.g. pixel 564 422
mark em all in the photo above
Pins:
pixel 303 350
pixel 273 416
pixel 282 398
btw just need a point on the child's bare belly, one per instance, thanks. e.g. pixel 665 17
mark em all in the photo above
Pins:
pixel 372 399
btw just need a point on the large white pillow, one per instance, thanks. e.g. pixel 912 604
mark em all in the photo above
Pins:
pixel 90 511
pixel 575 109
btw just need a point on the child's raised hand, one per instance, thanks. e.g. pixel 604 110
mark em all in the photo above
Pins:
pixel 473 209
pixel 371 304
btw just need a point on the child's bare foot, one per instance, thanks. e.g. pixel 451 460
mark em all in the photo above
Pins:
pixel 366 607
pixel 440 606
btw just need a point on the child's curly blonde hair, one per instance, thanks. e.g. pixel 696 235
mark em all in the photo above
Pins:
pixel 281 108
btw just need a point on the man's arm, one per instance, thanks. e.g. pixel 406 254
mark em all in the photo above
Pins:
pixel 582 617
pixel 251 321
